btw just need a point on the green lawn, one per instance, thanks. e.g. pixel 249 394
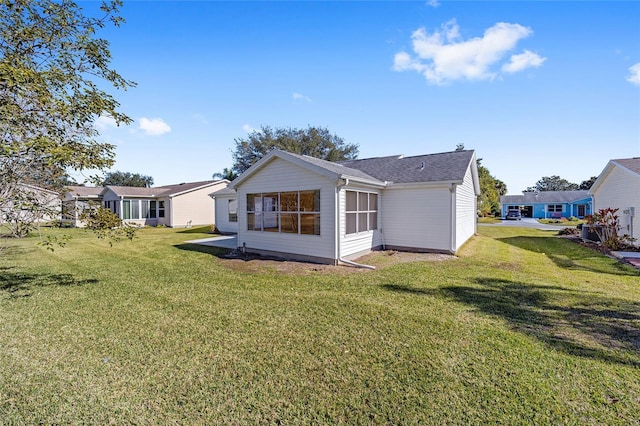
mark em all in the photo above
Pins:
pixel 522 328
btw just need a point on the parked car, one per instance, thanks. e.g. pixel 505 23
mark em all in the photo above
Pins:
pixel 514 215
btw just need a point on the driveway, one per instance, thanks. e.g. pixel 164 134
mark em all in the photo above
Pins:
pixel 526 222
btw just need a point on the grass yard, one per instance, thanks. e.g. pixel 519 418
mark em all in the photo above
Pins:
pixel 522 328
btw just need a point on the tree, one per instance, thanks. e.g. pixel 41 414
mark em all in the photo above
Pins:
pixel 127 179
pixel 587 184
pixel 491 189
pixel 52 68
pixel 313 141
pixel 552 183
pixel 226 173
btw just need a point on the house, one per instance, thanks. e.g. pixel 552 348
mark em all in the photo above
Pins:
pixel 30 204
pixel 549 204
pixel 300 207
pixel 181 205
pixel 226 211
pixel 618 187
pixel 78 199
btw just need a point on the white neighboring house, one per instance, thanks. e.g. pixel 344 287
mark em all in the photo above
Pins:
pixel 33 204
pixel 226 214
pixel 301 207
pixel 618 187
pixel 76 200
pixel 177 206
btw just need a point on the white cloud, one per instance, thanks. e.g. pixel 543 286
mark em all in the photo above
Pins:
pixel 442 56
pixel 103 122
pixel 247 128
pixel 300 97
pixel 523 61
pixel 154 126
pixel 433 3
pixel 634 77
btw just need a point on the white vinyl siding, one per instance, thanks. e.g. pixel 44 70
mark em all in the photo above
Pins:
pixel 417 218
pixel 283 176
pixel 466 211
pixel 223 208
pixel 362 241
pixel 620 190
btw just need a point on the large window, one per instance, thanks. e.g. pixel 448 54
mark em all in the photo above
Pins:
pixel 140 209
pixel 292 212
pixel 554 208
pixel 361 212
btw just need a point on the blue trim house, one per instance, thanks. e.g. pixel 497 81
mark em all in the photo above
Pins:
pixel 549 204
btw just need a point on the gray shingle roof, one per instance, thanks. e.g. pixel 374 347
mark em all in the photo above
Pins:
pixel 632 164
pixel 84 191
pixel 339 169
pixel 158 191
pixel 545 197
pixel 442 167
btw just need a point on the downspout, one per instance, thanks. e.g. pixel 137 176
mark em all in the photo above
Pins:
pixel 337 236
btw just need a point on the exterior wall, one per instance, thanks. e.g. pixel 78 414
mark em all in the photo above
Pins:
pixel 466 211
pixel 354 245
pixel 279 176
pixel 222 214
pixel 193 208
pixel 417 218
pixel 621 190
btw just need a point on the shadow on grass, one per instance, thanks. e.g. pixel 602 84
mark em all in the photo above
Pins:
pixel 199 248
pixel 197 230
pixel 19 284
pixel 569 255
pixel 574 322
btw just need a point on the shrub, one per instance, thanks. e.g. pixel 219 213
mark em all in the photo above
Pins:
pixel 569 231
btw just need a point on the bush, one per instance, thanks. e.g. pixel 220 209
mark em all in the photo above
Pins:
pixel 569 231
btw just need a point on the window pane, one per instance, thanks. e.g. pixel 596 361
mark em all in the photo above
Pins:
pixel 144 209
pixel 271 221
pixel 373 201
pixel 362 222
pixel 289 223
pixel 135 209
pixel 373 220
pixel 233 210
pixel 363 201
pixel 310 224
pixel 289 201
pixel 126 209
pixel 253 201
pixel 270 202
pixel 254 221
pixel 152 209
pixel 352 201
pixel 351 223
pixel 309 201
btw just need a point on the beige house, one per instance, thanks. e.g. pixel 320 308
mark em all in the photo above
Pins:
pixel 176 206
pixel 618 187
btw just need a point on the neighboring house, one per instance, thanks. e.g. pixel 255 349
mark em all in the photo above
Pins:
pixel 305 208
pixel 226 211
pixel 77 200
pixel 549 204
pixel 32 204
pixel 176 206
pixel 618 187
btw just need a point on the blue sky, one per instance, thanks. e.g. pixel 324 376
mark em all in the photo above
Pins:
pixel 536 88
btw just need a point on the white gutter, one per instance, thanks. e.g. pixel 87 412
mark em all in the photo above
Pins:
pixel 337 237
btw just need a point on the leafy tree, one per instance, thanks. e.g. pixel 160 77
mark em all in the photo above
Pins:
pixel 107 225
pixel 52 70
pixel 313 141
pixel 552 183
pixel 127 179
pixel 587 184
pixel 226 173
pixel 491 189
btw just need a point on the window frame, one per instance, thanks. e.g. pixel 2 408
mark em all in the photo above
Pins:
pixel 266 213
pixel 366 209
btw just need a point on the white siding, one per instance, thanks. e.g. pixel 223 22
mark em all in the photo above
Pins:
pixel 360 242
pixel 194 207
pixel 620 190
pixel 466 210
pixel 279 176
pixel 417 218
pixel 222 214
